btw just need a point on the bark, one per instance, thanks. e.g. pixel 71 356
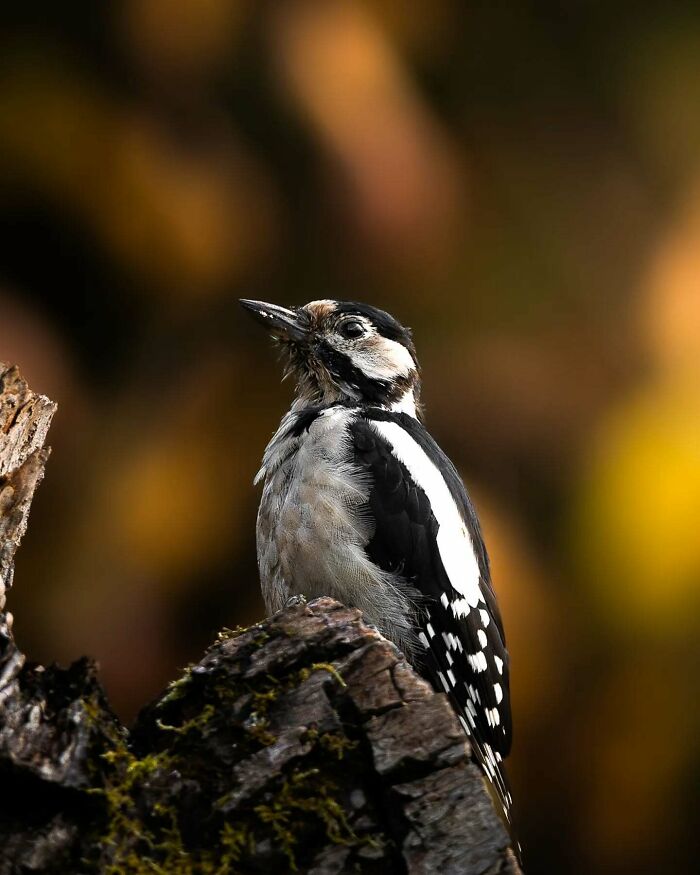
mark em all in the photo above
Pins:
pixel 304 743
pixel 24 421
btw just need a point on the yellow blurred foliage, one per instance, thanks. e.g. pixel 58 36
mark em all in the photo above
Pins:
pixel 636 522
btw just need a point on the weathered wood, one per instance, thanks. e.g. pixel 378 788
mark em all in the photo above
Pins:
pixel 304 743
pixel 24 422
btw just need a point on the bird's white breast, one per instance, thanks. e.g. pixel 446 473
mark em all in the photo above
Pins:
pixel 313 525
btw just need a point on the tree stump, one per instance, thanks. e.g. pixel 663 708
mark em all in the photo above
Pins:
pixel 305 743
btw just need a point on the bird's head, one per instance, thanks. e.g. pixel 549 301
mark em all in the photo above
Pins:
pixel 345 352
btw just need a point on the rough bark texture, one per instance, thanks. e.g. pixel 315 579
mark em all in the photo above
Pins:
pixel 24 422
pixel 305 743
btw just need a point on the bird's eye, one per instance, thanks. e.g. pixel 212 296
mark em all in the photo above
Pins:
pixel 351 329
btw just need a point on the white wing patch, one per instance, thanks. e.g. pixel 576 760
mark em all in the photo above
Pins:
pixel 454 543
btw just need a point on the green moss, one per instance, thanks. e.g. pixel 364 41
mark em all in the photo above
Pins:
pixel 137 845
pixel 226 634
pixel 235 840
pixel 135 842
pixel 177 688
pixel 337 744
pixel 106 731
pixel 323 666
pixel 195 724
pixel 305 793
pixel 142 840
pixel 92 709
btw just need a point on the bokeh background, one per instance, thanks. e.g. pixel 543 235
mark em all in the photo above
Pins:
pixel 518 181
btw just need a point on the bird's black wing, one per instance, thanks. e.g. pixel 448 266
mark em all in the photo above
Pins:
pixel 463 645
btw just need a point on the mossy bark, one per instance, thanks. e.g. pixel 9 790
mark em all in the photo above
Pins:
pixel 305 743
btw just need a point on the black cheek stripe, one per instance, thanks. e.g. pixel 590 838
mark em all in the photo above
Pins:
pixel 370 391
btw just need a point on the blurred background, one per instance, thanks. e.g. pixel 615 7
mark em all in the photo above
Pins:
pixel 520 182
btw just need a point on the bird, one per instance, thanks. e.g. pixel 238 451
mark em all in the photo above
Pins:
pixel 360 503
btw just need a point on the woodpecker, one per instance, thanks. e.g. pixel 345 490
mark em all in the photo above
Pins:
pixel 361 504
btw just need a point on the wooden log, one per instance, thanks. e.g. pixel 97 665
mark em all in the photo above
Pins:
pixel 24 422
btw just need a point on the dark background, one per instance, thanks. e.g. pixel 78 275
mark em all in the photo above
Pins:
pixel 520 182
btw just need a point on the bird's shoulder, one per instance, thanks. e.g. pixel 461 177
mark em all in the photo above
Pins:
pixel 323 426
pixel 385 439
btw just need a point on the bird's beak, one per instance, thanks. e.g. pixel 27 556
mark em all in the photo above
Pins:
pixel 282 323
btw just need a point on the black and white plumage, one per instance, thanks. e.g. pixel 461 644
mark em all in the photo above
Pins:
pixel 360 503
